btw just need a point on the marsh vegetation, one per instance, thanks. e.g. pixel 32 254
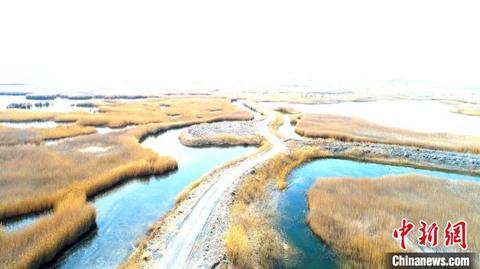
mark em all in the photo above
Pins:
pixel 357 216
pixel 116 114
pixel 252 240
pixel 48 174
pixel 46 171
pixel 60 177
pixel 418 115
pixel 13 136
pixel 361 130
pixel 39 243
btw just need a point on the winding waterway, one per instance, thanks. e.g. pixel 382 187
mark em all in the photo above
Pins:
pixel 292 205
pixel 125 213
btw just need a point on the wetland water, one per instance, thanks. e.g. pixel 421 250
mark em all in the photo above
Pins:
pixel 56 105
pixel 287 130
pixel 125 212
pixel 422 116
pixel 31 124
pixel 22 222
pixel 292 203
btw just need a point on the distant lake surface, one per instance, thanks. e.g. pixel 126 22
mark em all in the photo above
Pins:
pixel 422 116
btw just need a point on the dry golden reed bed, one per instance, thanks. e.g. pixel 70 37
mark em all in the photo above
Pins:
pixel 117 114
pixel 37 244
pixel 35 178
pixel 357 216
pixel 251 240
pixel 361 130
pixel 14 136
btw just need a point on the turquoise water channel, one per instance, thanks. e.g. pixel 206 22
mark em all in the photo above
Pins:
pixel 292 205
pixel 125 213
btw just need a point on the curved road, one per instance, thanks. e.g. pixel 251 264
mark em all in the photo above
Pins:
pixel 179 249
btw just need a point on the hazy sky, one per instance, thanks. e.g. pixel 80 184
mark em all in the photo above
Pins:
pixel 182 43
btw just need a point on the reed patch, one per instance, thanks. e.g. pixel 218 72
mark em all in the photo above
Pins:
pixel 357 216
pixel 116 114
pixel 46 172
pixel 39 177
pixel 39 243
pixel 252 240
pixel 361 130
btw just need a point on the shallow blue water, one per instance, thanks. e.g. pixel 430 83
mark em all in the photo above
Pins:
pixel 293 204
pixel 22 222
pixel 124 213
